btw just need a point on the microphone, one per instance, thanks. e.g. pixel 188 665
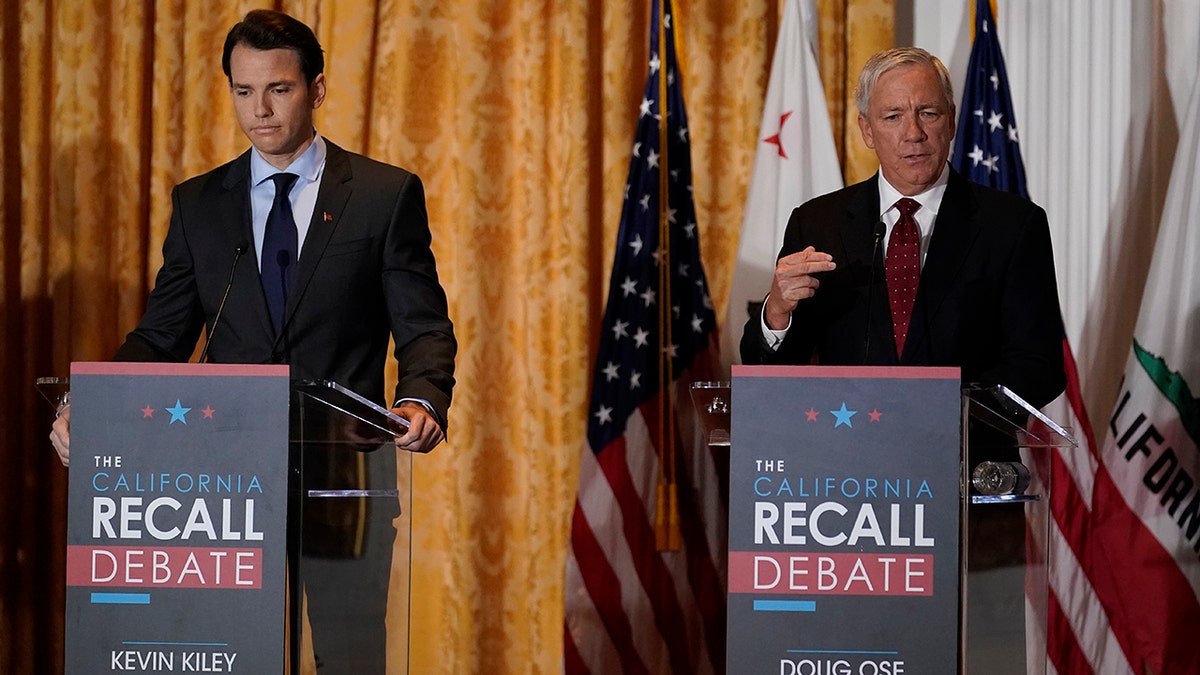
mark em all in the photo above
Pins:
pixel 879 230
pixel 237 254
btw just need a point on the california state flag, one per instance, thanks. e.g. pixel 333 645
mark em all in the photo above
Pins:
pixel 795 162
pixel 1146 499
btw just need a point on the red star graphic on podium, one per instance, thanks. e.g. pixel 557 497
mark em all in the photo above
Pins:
pixel 875 415
pixel 776 140
pixel 208 412
pixel 147 412
pixel 811 414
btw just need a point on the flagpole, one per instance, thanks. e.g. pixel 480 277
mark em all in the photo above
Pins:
pixel 666 519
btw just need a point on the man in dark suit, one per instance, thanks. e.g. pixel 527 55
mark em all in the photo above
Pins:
pixel 986 300
pixel 329 256
pixel 919 267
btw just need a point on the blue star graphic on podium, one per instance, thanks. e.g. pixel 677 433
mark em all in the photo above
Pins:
pixel 179 413
pixel 843 416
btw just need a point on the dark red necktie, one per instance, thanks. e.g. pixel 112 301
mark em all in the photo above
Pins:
pixel 903 268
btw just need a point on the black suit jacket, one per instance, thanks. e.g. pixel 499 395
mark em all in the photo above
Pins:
pixel 987 301
pixel 365 272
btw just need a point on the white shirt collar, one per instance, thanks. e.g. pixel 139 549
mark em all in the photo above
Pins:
pixel 930 200
pixel 307 166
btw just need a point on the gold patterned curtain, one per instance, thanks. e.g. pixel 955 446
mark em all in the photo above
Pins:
pixel 519 118
pixel 850 32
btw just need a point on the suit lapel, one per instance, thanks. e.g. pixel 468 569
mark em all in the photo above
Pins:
pixel 954 233
pixel 862 212
pixel 234 214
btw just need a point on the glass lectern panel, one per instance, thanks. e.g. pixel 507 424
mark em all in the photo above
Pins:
pixel 351 519
pixel 1007 452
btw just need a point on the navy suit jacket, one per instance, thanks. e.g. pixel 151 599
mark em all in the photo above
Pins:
pixel 365 272
pixel 987 301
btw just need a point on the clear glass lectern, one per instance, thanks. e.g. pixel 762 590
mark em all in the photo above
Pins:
pixel 1009 448
pixel 349 534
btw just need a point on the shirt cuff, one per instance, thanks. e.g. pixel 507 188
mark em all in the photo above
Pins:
pixel 772 338
pixel 424 404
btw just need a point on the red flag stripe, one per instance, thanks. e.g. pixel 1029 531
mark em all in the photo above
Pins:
pixel 573 663
pixel 1068 657
pixel 662 602
pixel 604 591
pixel 1075 397
pixel 1079 636
pixel 697 584
pixel 602 510
pixel 1086 626
pixel 701 573
pixel 651 571
pixel 603 579
pixel 1073 519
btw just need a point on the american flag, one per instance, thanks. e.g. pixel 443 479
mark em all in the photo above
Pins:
pixel 632 604
pixel 1079 637
pixel 986 148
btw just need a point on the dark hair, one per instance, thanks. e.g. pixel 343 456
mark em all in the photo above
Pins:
pixel 266 29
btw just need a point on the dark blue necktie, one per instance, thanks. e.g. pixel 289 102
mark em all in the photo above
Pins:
pixel 280 243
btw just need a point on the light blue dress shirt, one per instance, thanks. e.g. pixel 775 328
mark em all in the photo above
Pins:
pixel 309 166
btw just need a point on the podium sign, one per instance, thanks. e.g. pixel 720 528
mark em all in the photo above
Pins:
pixel 844 520
pixel 177 514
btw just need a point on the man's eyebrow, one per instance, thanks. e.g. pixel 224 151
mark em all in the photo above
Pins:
pixel 269 85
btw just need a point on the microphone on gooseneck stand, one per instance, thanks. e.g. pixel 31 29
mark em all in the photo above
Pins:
pixel 879 231
pixel 237 254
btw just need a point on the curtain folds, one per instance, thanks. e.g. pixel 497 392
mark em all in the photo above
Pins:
pixel 519 118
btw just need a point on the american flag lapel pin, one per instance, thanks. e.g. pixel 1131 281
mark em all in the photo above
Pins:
pixel 327 216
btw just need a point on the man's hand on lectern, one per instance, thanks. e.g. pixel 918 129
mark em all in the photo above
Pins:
pixel 60 434
pixel 424 433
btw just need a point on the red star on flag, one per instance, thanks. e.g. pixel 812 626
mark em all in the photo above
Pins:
pixel 776 140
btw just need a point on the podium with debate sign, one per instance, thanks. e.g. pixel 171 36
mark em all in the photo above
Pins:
pixel 197 491
pixel 862 540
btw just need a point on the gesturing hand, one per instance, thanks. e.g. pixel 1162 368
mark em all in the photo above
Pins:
pixel 792 282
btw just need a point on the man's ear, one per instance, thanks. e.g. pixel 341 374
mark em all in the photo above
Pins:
pixel 316 91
